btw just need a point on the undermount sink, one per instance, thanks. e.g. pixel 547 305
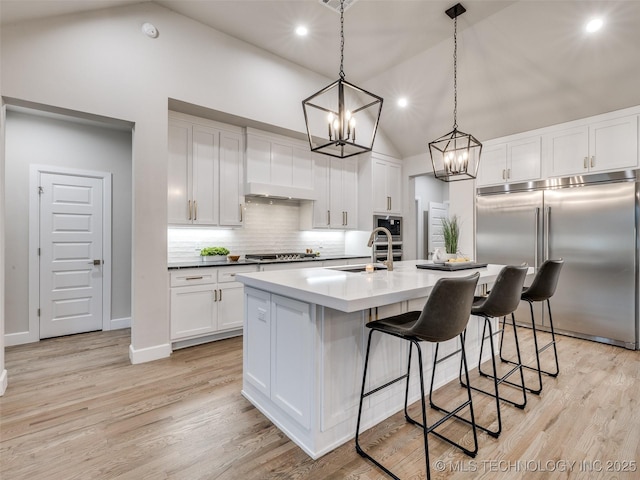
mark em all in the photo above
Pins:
pixel 357 268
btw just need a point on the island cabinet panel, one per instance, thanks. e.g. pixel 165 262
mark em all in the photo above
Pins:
pixel 257 335
pixel 342 344
pixel 388 356
pixel 291 365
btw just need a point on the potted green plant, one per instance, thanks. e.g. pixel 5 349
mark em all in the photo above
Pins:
pixel 214 254
pixel 451 233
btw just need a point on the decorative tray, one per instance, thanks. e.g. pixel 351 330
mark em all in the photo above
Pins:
pixel 451 266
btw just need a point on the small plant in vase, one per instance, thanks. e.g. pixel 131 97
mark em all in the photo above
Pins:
pixel 214 254
pixel 451 233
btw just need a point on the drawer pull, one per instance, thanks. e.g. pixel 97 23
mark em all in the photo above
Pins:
pixel 193 278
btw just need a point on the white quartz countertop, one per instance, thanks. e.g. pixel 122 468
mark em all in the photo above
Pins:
pixel 350 292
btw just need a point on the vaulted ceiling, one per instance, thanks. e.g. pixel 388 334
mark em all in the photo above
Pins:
pixel 521 64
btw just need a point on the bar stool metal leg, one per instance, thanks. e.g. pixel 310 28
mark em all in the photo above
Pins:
pixel 538 350
pixel 518 367
pixel 426 429
pixel 364 394
pixel 454 413
pixel 498 380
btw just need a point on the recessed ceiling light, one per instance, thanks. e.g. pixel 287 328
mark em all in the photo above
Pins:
pixel 301 30
pixel 403 102
pixel 594 25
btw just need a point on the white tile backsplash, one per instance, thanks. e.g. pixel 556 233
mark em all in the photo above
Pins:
pixel 269 226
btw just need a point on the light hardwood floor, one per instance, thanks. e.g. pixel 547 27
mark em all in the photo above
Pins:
pixel 76 409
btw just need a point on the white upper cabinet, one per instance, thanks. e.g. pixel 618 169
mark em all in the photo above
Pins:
pixel 379 188
pixel 205 173
pixel 336 187
pixel 231 175
pixel 596 147
pixel 387 186
pixel 179 174
pixel 509 162
pixel 493 162
pixel 278 166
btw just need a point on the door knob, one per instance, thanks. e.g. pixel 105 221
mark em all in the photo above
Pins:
pixel 96 262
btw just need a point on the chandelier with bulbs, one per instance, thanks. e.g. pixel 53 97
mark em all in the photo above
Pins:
pixel 455 155
pixel 334 114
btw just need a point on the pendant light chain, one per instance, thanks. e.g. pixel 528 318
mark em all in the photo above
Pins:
pixel 455 73
pixel 341 39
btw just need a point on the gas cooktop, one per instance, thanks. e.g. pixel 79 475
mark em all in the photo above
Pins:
pixel 278 257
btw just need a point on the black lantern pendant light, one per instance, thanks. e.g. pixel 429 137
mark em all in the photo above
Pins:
pixel 342 119
pixel 455 155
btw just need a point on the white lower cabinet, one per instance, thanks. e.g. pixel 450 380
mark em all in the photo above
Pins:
pixel 206 301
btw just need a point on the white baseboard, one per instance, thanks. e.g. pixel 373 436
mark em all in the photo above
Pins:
pixel 3 382
pixel 206 339
pixel 119 323
pixel 19 338
pixel 149 354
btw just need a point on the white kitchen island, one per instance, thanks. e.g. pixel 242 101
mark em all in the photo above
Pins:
pixel 305 341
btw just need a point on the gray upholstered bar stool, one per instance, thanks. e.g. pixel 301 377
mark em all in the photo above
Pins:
pixel 541 289
pixel 444 316
pixel 502 301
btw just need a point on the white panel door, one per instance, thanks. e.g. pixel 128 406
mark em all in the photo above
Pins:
pixel 437 211
pixel 71 222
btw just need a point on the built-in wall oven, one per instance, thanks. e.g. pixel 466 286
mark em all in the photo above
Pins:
pixel 380 245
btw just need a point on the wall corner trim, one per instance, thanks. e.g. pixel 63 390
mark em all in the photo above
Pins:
pixel 3 382
pixel 149 354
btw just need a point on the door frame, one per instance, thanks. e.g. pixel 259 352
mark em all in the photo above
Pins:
pixel 33 335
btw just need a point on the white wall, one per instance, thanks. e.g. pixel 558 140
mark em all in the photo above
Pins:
pixel 3 371
pixel 58 141
pixel 101 63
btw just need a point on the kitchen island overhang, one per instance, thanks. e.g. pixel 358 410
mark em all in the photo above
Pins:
pixel 305 339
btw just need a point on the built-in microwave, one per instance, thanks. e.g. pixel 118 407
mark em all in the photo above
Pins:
pixel 393 224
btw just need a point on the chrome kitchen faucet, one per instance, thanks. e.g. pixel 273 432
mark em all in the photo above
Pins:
pixel 389 261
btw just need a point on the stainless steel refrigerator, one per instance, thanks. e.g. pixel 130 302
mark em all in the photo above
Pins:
pixel 589 221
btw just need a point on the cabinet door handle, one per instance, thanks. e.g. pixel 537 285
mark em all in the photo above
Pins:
pixel 240 213
pixel 195 210
pixel 328 217
pixel 194 278
pixel 593 161
pixel 504 173
pixel 584 163
pixel 189 209
pixel 508 173
pixel 220 295
pixel 215 295
pixel 346 218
